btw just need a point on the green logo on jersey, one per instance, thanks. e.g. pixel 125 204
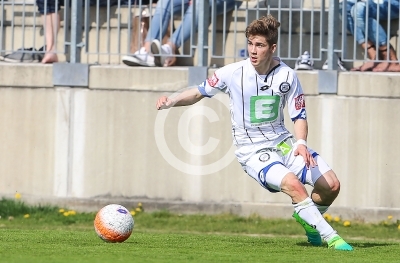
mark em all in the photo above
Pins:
pixel 284 148
pixel 264 109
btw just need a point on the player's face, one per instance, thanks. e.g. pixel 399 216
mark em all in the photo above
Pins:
pixel 260 52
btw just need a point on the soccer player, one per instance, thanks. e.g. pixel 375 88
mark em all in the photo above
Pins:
pixel 259 88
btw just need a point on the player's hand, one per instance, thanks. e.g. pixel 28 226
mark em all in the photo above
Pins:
pixel 308 159
pixel 164 103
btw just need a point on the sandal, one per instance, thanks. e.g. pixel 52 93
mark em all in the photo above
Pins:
pixel 366 66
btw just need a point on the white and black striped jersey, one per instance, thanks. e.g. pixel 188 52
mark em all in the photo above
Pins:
pixel 257 101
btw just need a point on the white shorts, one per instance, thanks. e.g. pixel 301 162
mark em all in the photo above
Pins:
pixel 268 166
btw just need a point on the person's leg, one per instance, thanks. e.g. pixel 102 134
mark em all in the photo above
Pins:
pixel 326 189
pixel 348 14
pixel 162 18
pixel 385 52
pixel 51 23
pixel 267 168
pixel 358 12
pixel 308 214
pixel 165 54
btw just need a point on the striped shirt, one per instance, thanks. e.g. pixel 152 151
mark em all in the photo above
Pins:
pixel 257 101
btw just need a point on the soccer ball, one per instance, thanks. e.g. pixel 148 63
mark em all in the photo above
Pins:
pixel 113 223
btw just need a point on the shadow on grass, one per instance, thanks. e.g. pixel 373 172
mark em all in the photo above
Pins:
pixel 371 244
pixel 354 245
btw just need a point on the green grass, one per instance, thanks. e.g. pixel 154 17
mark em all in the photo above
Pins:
pixel 49 236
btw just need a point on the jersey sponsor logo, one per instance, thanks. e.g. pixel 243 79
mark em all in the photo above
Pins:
pixel 264 157
pixel 264 109
pixel 212 81
pixel 284 87
pixel 299 102
pixel 284 148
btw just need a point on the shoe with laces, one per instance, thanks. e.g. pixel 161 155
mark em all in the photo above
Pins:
pixel 25 55
pixel 160 52
pixel 340 64
pixel 312 234
pixel 304 62
pixel 338 243
pixel 139 58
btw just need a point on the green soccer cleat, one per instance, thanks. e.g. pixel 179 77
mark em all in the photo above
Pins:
pixel 339 244
pixel 312 234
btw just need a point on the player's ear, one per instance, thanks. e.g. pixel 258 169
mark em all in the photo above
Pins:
pixel 273 48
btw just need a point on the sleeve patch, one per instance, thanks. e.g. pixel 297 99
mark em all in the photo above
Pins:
pixel 212 81
pixel 299 102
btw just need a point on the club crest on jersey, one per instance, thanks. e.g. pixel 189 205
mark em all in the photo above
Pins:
pixel 284 87
pixel 212 81
pixel 264 157
pixel 299 102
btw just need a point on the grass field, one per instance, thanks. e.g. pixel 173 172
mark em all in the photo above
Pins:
pixel 46 234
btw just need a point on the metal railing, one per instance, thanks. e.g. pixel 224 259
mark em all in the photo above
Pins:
pixel 106 31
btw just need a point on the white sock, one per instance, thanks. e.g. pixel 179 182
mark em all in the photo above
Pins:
pixel 307 210
pixel 322 208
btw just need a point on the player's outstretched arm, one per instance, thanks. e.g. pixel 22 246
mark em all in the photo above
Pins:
pixel 188 97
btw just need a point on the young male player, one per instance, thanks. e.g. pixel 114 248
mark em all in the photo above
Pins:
pixel 258 88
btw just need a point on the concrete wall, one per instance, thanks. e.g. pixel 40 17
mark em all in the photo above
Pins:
pixel 86 147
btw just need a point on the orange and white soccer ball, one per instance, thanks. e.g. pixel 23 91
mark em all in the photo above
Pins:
pixel 114 223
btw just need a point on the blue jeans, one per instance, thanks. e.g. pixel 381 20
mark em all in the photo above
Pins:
pixel 162 17
pixel 356 12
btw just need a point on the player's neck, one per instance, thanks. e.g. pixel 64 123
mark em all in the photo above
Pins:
pixel 265 68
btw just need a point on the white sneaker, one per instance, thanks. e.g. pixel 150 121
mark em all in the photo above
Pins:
pixel 160 52
pixel 304 62
pixel 139 58
pixel 340 64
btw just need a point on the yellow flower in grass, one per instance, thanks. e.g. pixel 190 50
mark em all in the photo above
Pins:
pixel 133 213
pixel 61 210
pixel 138 209
pixel 328 217
pixel 346 223
pixel 17 195
pixel 398 227
pixel 336 219
pixel 26 216
pixel 390 217
pixel 139 204
pixel 66 213
pixel 71 212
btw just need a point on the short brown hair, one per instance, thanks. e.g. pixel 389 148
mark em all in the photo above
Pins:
pixel 266 26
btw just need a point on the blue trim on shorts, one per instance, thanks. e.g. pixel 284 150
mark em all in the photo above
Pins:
pixel 265 170
pixel 304 172
pixel 303 175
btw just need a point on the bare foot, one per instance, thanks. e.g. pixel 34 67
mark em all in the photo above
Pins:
pixel 381 67
pixel 394 67
pixel 170 61
pixel 367 66
pixel 50 58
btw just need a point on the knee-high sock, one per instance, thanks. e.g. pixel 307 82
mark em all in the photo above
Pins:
pixel 307 210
